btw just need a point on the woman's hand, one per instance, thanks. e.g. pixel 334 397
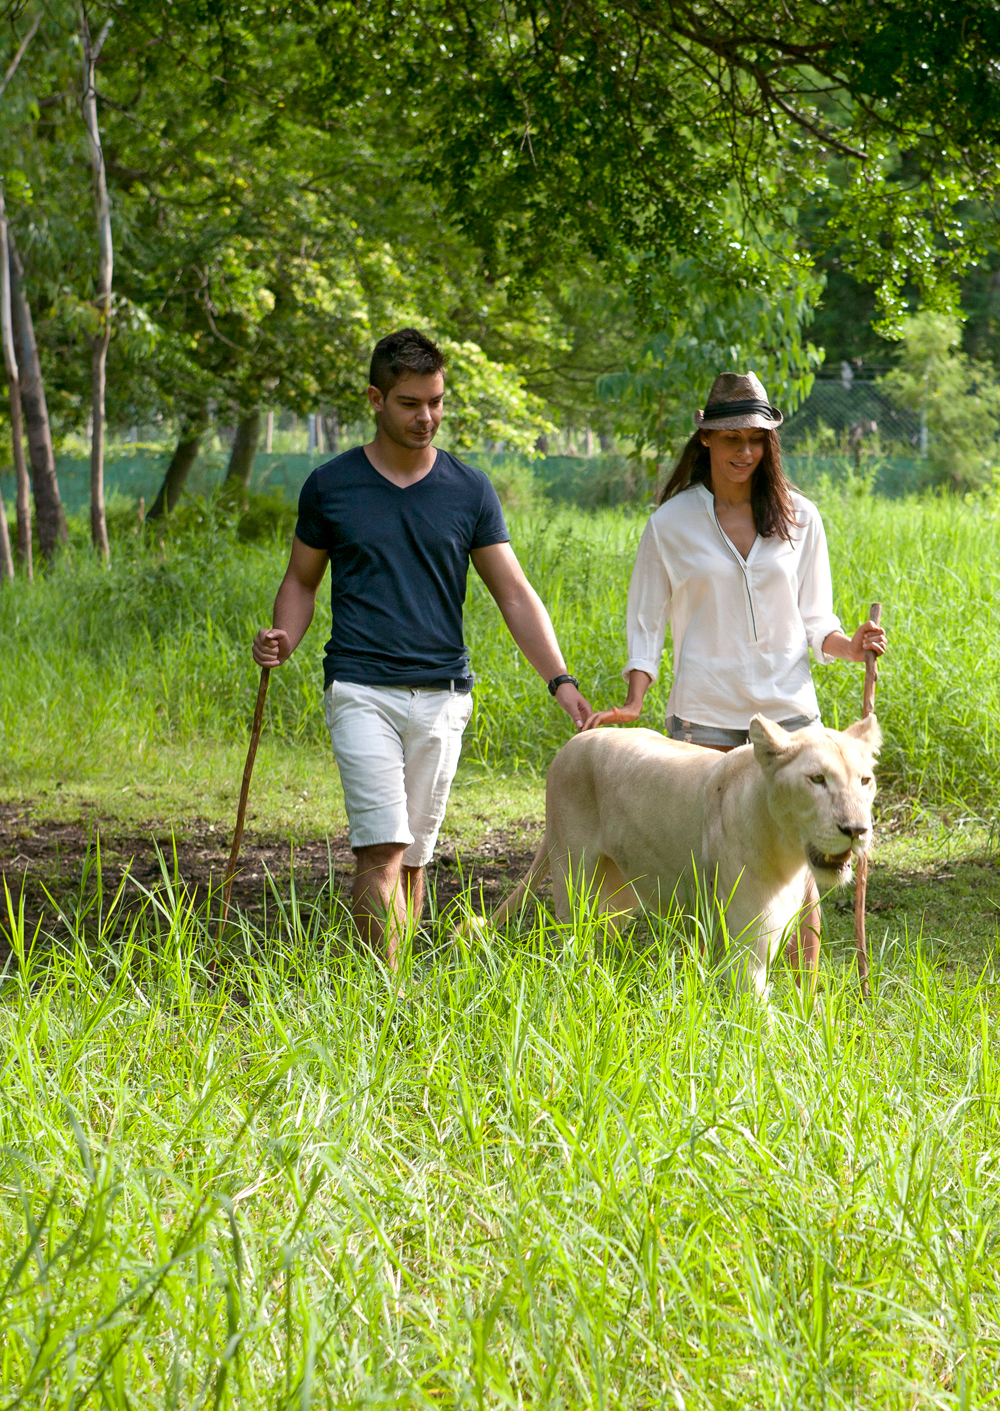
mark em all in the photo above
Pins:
pixel 619 715
pixel 868 638
pixel 639 683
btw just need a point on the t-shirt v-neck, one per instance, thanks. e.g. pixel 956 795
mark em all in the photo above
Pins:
pixel 412 483
pixel 399 563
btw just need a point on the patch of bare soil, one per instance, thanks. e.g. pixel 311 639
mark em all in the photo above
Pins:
pixel 52 863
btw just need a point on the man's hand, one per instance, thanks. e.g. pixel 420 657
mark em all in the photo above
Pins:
pixel 574 703
pixel 271 647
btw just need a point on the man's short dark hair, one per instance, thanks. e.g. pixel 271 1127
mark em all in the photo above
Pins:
pixel 407 351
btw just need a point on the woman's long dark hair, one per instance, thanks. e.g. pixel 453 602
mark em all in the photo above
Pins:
pixel 770 500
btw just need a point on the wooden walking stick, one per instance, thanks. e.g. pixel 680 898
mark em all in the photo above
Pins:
pixel 241 812
pixel 861 876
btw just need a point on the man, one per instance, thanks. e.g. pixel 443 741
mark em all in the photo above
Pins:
pixel 398 522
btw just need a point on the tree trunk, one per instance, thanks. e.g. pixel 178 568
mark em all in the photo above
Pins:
pixel 331 425
pixel 244 449
pixel 10 360
pixel 98 383
pixel 184 457
pixel 6 561
pixel 24 551
pixel 48 504
pixel 13 383
pixel 105 267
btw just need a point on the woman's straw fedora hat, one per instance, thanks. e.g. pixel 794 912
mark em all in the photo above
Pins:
pixel 737 400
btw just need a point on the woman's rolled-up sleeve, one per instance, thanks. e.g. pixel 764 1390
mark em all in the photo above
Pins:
pixel 648 607
pixel 816 589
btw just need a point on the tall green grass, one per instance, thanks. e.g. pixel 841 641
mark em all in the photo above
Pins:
pixel 103 664
pixel 553 1172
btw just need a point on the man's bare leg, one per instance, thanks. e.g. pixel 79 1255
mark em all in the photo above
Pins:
pixel 802 951
pixel 413 881
pixel 385 895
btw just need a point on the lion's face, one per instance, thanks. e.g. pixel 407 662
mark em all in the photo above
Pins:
pixel 821 783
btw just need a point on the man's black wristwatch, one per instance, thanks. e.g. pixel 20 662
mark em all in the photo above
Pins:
pixel 558 681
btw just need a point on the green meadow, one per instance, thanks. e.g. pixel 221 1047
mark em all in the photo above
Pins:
pixel 553 1169
pixel 143 673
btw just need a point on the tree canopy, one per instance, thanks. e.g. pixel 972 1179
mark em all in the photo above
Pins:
pixel 596 205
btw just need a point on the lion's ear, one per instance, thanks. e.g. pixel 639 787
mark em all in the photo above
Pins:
pixel 868 732
pixel 769 740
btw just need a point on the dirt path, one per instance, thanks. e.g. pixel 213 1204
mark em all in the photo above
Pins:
pixel 952 904
pixel 40 856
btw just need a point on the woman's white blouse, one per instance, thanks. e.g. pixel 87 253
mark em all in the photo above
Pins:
pixel 741 629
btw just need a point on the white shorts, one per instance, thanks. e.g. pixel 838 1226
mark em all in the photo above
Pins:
pixel 397 750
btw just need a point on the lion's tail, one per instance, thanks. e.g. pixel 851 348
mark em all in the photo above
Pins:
pixel 538 868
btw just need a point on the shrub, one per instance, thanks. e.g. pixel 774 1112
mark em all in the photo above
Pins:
pixel 959 396
pixel 267 517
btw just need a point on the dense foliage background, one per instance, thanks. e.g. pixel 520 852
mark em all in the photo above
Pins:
pixel 595 208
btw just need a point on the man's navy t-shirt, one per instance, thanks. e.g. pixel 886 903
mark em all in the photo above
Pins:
pixel 399 560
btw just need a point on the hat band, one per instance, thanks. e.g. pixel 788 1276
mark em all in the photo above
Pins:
pixel 717 410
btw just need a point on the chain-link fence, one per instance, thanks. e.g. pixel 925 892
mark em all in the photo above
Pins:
pixel 142 474
pixel 839 430
pixel 851 409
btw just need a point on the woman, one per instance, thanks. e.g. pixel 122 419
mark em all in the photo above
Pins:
pixel 737 561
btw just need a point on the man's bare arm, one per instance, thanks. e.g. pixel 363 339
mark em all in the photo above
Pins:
pixel 293 607
pixel 528 622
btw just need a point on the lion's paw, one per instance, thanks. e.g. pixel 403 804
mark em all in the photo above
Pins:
pixel 472 929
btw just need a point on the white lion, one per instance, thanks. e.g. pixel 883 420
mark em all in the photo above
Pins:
pixel 630 816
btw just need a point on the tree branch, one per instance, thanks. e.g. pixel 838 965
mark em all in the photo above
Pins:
pixel 105 31
pixel 12 70
pixel 803 121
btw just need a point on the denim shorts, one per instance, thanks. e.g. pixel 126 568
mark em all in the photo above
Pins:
pixel 694 734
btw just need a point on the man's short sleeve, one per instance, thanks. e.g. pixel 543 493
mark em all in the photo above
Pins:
pixel 310 526
pixel 491 527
